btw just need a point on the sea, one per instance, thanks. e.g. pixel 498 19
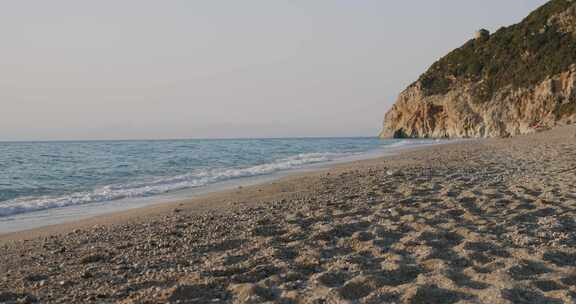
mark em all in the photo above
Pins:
pixel 44 183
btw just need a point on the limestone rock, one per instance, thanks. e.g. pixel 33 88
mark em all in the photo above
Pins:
pixel 456 114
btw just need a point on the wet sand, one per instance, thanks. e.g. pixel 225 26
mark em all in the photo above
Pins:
pixel 490 221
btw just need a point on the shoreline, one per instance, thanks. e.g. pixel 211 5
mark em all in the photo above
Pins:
pixel 488 221
pixel 194 198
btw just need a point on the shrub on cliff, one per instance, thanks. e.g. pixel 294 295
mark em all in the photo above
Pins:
pixel 521 55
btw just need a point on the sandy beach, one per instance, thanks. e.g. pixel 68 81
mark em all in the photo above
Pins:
pixel 483 221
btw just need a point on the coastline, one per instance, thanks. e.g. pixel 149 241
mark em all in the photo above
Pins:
pixel 108 212
pixel 211 198
pixel 487 221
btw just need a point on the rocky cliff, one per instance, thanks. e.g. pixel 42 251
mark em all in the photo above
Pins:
pixel 518 80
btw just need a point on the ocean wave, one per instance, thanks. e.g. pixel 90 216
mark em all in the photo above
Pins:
pixel 161 185
pixel 415 142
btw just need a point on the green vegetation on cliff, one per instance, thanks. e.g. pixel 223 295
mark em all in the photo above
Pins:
pixel 520 56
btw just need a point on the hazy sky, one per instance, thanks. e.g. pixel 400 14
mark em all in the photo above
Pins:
pixel 255 68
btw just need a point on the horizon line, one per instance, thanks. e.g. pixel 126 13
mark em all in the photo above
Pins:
pixel 182 139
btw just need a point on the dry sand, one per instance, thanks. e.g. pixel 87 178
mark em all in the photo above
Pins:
pixel 491 221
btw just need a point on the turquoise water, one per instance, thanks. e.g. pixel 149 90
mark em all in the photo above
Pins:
pixel 39 176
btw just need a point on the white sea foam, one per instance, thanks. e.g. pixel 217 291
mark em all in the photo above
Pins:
pixel 159 186
pixel 413 142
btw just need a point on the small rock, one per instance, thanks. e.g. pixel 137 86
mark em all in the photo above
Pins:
pixel 408 218
pixel 94 258
pixel 250 292
pixel 362 236
pixel 86 275
pixel 35 277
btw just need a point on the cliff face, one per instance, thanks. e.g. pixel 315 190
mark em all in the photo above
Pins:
pixel 510 112
pixel 516 81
